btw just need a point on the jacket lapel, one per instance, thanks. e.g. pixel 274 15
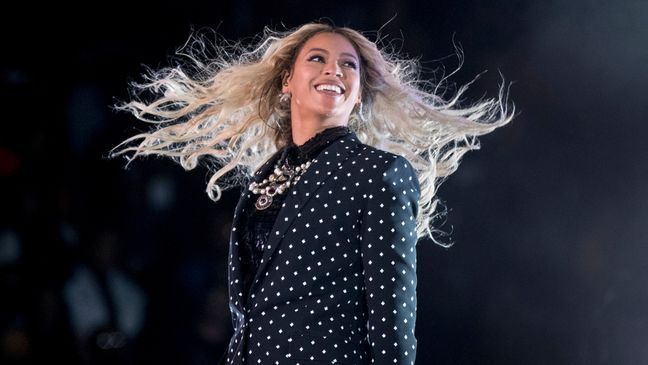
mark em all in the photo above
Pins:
pixel 236 237
pixel 328 161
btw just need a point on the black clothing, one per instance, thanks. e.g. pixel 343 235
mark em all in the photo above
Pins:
pixel 259 222
pixel 337 279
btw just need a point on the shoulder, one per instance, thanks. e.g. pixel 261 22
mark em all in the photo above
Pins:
pixel 368 162
pixel 384 161
pixel 382 170
pixel 389 185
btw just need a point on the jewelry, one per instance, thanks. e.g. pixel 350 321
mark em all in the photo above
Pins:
pixel 277 183
pixel 359 112
pixel 284 97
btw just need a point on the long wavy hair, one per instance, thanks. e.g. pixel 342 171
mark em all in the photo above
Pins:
pixel 226 105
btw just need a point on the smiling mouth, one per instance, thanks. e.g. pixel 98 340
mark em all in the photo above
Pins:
pixel 330 89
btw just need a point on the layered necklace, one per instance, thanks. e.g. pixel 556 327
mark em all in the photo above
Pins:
pixel 284 175
pixel 278 182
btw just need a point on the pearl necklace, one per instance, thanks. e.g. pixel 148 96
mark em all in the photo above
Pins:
pixel 277 183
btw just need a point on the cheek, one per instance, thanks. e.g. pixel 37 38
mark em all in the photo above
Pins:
pixel 303 83
pixel 356 88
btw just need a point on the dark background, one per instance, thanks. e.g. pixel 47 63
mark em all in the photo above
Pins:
pixel 549 219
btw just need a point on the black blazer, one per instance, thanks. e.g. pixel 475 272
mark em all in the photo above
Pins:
pixel 337 282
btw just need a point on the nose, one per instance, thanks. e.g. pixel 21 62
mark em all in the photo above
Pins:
pixel 333 69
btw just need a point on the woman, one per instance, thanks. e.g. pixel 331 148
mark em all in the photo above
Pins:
pixel 351 148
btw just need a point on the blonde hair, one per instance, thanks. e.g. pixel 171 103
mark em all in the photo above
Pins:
pixel 230 109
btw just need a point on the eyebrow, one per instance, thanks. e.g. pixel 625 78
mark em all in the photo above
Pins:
pixel 327 52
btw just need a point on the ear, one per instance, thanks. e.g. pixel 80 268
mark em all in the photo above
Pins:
pixel 284 82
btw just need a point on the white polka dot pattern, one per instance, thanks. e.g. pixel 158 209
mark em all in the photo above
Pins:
pixel 337 282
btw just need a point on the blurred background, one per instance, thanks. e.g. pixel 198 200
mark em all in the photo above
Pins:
pixel 105 265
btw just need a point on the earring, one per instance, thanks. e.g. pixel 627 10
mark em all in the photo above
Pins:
pixel 284 98
pixel 360 112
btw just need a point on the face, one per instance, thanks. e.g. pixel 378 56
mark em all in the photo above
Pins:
pixel 325 80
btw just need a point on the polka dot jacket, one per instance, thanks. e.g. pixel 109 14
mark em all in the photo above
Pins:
pixel 337 281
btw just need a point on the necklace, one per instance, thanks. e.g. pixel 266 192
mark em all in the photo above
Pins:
pixel 277 183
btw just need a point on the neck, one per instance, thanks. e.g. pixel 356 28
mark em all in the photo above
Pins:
pixel 303 130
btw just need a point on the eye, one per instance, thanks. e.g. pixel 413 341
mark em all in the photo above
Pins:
pixel 350 64
pixel 316 58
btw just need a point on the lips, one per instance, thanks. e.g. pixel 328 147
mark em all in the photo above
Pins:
pixel 330 88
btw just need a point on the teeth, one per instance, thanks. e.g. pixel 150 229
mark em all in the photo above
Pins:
pixel 335 88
